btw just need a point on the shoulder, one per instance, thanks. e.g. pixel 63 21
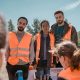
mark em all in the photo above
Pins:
pixel 63 73
pixel 36 35
pixel 11 33
pixel 72 27
pixel 54 25
pixel 29 34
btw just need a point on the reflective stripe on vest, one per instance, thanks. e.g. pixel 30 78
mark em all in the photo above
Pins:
pixel 24 49
pixel 38 43
pixel 19 50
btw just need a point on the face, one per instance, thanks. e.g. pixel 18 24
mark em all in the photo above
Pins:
pixel 59 18
pixel 64 61
pixel 45 27
pixel 21 24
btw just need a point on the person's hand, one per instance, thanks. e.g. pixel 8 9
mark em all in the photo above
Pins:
pixel 31 67
pixel 35 66
pixel 37 59
pixel 52 65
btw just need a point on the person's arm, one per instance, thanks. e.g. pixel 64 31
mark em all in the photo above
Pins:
pixel 74 36
pixel 32 53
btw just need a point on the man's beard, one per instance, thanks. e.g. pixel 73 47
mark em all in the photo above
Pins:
pixel 20 28
pixel 60 21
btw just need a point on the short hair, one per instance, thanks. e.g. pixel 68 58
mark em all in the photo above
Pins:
pixel 44 22
pixel 23 18
pixel 57 12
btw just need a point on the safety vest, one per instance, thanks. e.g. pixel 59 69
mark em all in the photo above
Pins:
pixel 70 75
pixel 38 43
pixel 19 50
pixel 67 36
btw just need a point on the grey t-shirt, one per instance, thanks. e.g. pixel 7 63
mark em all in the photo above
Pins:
pixel 20 36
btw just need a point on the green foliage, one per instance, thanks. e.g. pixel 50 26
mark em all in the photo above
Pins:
pixel 29 29
pixel 66 20
pixel 35 27
pixel 79 38
pixel 11 26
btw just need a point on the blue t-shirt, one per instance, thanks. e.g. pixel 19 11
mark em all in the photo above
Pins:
pixel 59 33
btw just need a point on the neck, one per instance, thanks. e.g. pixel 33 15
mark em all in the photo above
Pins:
pixel 46 33
pixel 61 24
pixel 20 32
pixel 67 65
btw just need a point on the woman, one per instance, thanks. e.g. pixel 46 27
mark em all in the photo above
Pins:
pixel 69 57
pixel 44 41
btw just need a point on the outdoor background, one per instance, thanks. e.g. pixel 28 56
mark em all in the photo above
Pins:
pixel 38 10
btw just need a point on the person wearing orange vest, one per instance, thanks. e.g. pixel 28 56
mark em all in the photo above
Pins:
pixel 19 56
pixel 63 31
pixel 44 42
pixel 69 57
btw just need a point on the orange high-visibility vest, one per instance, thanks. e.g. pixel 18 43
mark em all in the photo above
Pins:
pixel 19 50
pixel 38 43
pixel 70 75
pixel 67 36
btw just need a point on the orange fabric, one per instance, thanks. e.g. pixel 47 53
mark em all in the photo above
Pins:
pixel 68 34
pixel 38 44
pixel 19 50
pixel 70 75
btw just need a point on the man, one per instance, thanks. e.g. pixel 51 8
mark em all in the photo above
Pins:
pixel 44 42
pixel 19 56
pixel 62 30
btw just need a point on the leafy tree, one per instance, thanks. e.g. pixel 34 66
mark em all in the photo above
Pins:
pixel 35 27
pixel 29 29
pixel 11 26
pixel 78 38
pixel 66 20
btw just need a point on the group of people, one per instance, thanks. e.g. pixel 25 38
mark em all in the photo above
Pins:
pixel 55 47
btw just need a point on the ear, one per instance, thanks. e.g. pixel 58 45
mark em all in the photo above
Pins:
pixel 63 58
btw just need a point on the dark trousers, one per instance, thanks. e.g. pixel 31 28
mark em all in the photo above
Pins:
pixel 11 69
